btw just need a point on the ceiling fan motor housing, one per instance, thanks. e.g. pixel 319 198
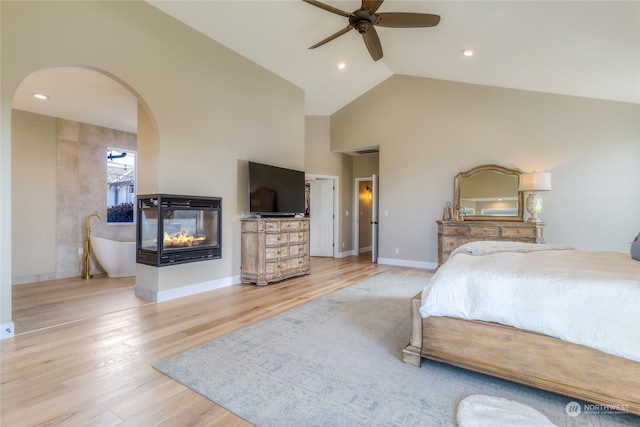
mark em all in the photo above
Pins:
pixel 362 20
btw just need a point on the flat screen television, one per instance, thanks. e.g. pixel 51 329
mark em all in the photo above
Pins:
pixel 275 191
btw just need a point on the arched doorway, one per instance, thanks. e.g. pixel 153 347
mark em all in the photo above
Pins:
pixel 59 147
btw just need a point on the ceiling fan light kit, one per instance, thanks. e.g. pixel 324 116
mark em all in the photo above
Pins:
pixel 365 19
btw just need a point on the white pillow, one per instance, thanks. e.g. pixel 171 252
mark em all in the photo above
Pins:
pixel 479 410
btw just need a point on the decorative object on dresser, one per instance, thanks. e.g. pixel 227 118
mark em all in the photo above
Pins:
pixel 533 183
pixel 452 234
pixel 274 249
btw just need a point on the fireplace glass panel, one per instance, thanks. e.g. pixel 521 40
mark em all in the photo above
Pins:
pixel 189 228
pixel 149 229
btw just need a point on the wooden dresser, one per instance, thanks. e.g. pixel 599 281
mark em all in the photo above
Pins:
pixel 274 249
pixel 452 234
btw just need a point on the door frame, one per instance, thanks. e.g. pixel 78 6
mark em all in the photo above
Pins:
pixel 356 213
pixel 336 208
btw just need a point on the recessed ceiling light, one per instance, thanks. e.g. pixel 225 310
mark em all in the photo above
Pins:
pixel 341 65
pixel 467 52
pixel 40 96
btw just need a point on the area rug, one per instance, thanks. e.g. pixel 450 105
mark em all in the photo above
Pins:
pixel 337 361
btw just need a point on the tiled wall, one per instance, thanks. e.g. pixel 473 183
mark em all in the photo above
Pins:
pixel 82 189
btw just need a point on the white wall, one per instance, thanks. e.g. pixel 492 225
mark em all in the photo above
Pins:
pixel 33 194
pixel 429 130
pixel 319 160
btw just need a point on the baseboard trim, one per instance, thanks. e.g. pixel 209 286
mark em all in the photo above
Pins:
pixel 345 254
pixel 8 330
pixel 408 263
pixel 185 291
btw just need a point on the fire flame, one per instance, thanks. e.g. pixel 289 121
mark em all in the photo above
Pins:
pixel 182 239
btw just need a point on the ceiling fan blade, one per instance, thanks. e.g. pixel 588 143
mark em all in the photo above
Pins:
pixel 372 41
pixel 371 5
pixel 328 8
pixel 333 36
pixel 407 20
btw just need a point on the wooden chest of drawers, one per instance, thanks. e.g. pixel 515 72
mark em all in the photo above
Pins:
pixel 452 234
pixel 274 249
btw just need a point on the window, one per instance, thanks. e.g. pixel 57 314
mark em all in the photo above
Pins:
pixel 121 185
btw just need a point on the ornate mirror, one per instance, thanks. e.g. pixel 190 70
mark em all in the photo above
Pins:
pixel 489 193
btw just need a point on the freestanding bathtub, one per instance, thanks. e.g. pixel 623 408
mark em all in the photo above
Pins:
pixel 117 259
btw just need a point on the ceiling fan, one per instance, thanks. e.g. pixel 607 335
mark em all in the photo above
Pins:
pixel 365 19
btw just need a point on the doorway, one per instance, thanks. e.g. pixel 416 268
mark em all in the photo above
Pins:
pixel 69 157
pixel 321 207
pixel 69 121
pixel 365 218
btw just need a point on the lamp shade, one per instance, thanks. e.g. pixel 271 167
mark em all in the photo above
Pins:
pixel 535 181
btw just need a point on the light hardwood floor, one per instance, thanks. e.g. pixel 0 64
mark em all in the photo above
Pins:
pixel 96 371
pixel 45 304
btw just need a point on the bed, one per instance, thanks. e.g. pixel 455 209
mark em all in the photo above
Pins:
pixel 547 316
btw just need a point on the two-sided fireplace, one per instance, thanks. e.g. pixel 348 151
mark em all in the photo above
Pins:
pixel 178 229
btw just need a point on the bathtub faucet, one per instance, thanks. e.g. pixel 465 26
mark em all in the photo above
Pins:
pixel 88 222
pixel 86 262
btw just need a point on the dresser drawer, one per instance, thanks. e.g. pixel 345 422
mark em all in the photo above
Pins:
pixel 271 268
pixel 484 232
pixel 455 230
pixel 299 237
pixel 290 225
pixel 276 239
pixel 450 243
pixel 291 264
pixel 519 233
pixel 251 226
pixel 297 250
pixel 272 253
pixel 271 226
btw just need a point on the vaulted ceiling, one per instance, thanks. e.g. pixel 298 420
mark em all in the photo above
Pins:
pixel 583 48
pixel 580 48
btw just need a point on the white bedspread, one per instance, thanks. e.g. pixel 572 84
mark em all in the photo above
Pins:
pixel 588 298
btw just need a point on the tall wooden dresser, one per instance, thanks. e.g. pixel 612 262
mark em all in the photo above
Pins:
pixel 274 249
pixel 452 234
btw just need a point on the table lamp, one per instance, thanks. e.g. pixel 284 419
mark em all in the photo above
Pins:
pixel 533 183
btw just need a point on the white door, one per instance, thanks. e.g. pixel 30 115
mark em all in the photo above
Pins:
pixel 321 217
pixel 374 219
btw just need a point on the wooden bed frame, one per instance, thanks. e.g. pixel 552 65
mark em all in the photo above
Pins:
pixel 526 357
